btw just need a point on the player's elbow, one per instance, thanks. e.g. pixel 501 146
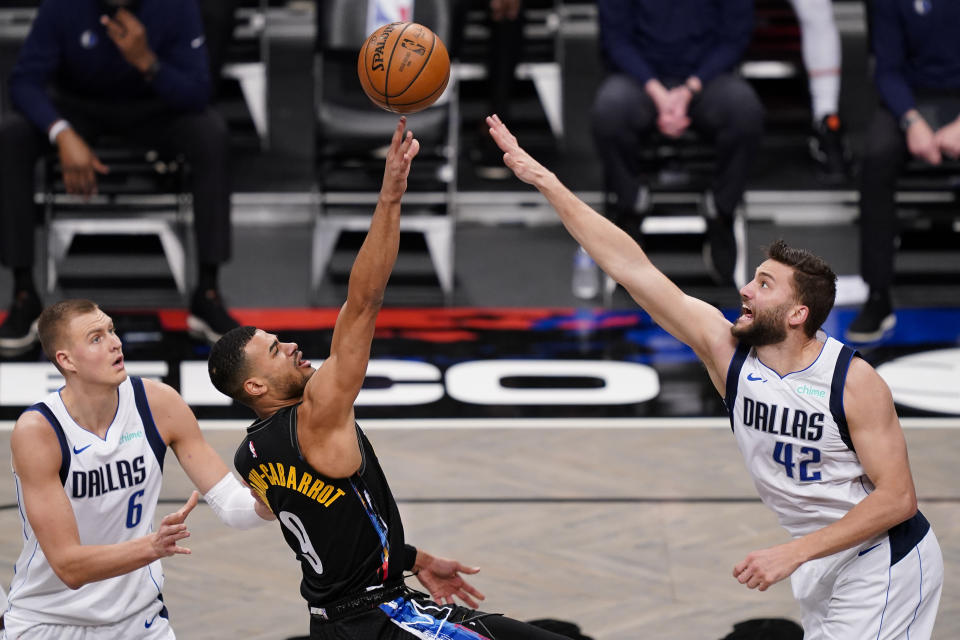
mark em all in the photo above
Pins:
pixel 906 505
pixel 68 576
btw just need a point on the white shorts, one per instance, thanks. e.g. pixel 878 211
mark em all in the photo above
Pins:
pixel 858 594
pixel 146 625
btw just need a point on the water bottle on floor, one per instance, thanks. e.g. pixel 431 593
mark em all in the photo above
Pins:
pixel 586 275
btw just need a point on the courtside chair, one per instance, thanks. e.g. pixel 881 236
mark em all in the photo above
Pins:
pixel 352 134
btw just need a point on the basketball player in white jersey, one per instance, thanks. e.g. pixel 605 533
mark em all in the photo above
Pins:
pixel 817 428
pixel 87 463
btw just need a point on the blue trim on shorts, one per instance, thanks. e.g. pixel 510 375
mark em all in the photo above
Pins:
pixel 907 535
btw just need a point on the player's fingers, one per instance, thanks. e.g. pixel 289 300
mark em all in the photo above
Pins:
pixel 469 588
pixel 412 151
pixel 182 550
pixel 182 513
pixel 398 132
pixel 470 602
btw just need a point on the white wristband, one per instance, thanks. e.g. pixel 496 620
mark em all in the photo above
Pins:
pixel 233 504
pixel 56 129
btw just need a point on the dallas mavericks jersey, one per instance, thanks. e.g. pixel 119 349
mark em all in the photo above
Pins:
pixel 113 484
pixel 793 435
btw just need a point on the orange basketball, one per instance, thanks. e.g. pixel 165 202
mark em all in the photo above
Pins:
pixel 403 67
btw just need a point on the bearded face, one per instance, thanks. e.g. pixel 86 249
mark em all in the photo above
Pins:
pixel 758 329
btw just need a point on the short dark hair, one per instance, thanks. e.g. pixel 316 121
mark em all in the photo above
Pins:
pixel 227 364
pixel 54 319
pixel 813 279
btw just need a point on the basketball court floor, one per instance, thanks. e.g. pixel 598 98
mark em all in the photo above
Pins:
pixel 571 449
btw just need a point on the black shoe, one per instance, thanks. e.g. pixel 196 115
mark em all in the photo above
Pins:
pixel 19 331
pixel 829 149
pixel 720 250
pixel 208 319
pixel 875 318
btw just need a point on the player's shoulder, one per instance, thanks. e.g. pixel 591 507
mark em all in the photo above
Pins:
pixel 160 393
pixel 32 429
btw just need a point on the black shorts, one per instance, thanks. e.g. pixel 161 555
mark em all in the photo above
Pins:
pixel 415 616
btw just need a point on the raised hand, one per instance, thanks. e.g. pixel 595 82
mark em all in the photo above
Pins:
pixel 173 529
pixel 517 160
pixel 441 577
pixel 403 148
pixel 130 37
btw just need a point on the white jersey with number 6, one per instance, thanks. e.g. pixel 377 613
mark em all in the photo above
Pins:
pixel 113 484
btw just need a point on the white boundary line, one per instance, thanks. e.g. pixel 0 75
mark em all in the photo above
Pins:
pixel 450 424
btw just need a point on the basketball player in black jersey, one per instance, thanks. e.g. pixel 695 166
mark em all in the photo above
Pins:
pixel 309 461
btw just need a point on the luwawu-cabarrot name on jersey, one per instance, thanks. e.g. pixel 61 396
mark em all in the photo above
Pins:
pixel 785 421
pixel 118 474
pixel 276 474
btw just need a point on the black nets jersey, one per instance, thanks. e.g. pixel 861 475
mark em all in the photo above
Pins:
pixel 346 532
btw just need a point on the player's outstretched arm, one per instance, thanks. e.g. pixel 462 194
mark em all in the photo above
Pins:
pixel 229 499
pixel 36 461
pixel 878 440
pixel 339 378
pixel 441 577
pixel 688 319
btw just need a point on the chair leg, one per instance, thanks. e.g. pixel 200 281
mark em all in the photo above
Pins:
pixel 324 240
pixel 440 246
pixel 740 235
pixel 58 244
pixel 176 258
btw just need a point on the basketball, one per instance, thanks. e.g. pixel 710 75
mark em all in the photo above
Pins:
pixel 403 67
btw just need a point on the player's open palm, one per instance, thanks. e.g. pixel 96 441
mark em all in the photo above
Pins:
pixel 517 160
pixel 173 528
pixel 763 568
pixel 441 577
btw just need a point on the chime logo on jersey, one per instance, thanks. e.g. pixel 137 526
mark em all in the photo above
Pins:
pixel 118 474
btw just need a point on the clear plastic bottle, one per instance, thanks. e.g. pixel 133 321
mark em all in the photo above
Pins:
pixel 586 275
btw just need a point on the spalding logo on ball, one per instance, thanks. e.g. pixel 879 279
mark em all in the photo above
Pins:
pixel 403 67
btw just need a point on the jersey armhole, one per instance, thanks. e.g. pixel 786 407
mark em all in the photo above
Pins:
pixel 733 378
pixel 840 369
pixel 45 411
pixel 146 416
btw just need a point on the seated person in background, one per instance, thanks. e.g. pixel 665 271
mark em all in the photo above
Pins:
pixel 671 68
pixel 918 78
pixel 821 57
pixel 140 75
pixel 505 21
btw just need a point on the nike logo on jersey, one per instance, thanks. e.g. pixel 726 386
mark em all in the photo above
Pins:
pixel 869 549
pixel 81 449
pixel 149 623
pixel 754 378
